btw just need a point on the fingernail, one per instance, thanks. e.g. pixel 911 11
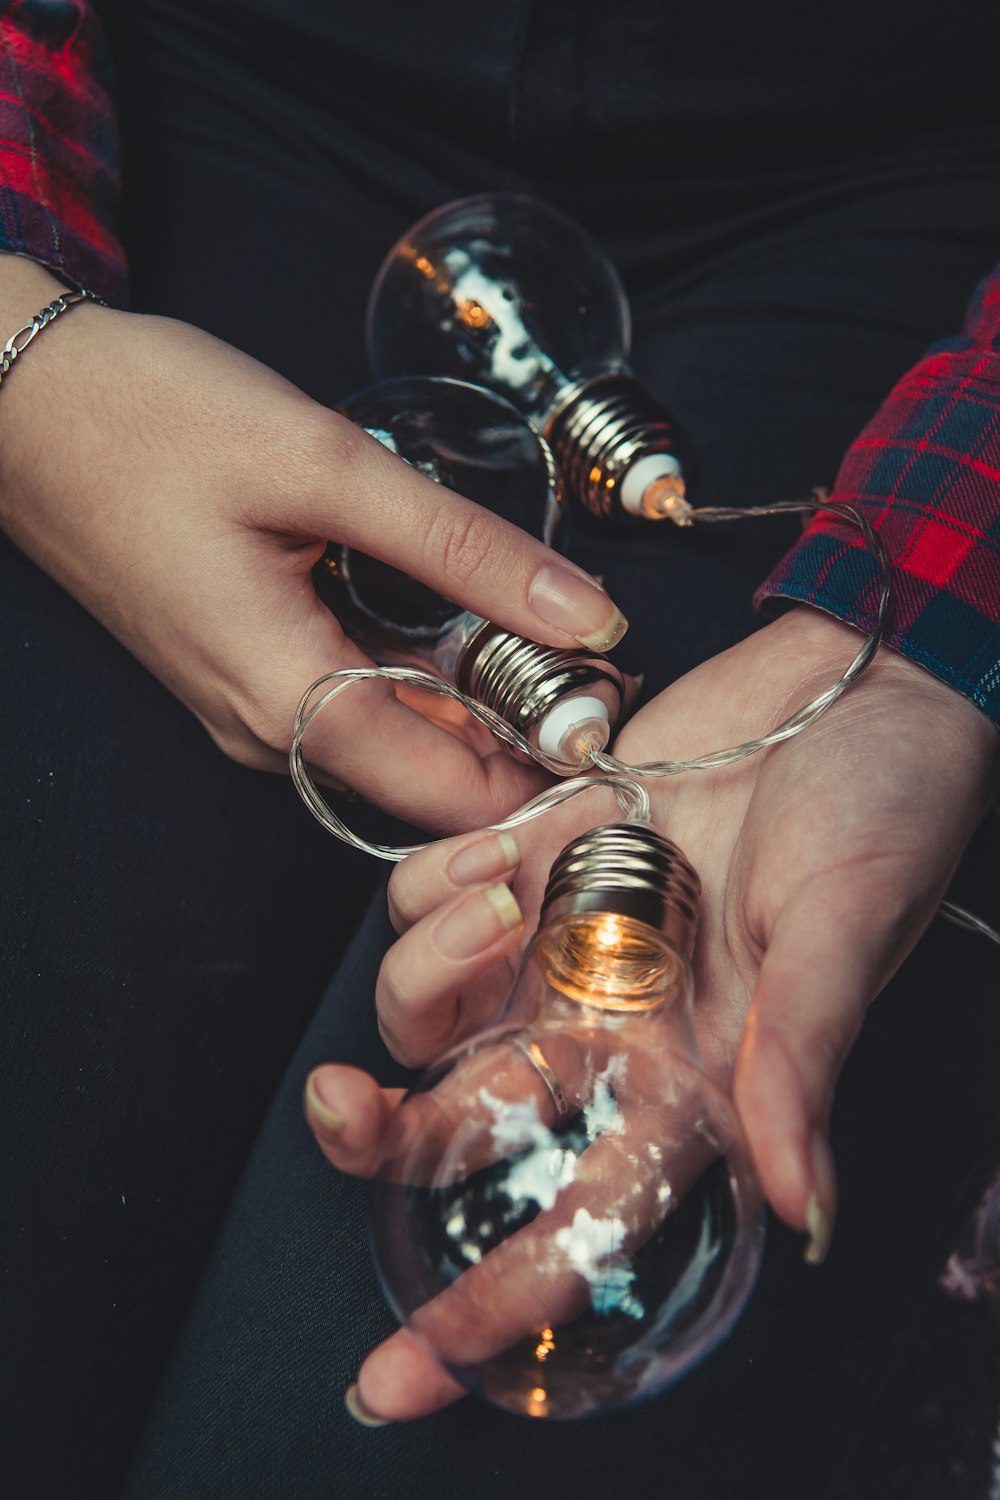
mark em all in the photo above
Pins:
pixel 484 860
pixel 477 923
pixel 570 602
pixel 820 1208
pixel 360 1412
pixel 325 1116
pixel 820 1227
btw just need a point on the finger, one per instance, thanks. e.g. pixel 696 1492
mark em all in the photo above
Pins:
pixel 417 995
pixel 361 1129
pixel 826 960
pixel 546 1274
pixel 349 1115
pixel 399 1381
pixel 424 881
pixel 386 750
pixel 387 509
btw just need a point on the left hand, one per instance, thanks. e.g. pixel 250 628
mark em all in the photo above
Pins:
pixel 822 861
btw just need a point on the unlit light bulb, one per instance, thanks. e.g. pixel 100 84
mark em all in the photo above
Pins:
pixel 503 290
pixel 565 702
pixel 566 1214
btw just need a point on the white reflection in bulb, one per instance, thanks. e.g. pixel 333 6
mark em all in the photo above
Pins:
pixel 602 1114
pixel 545 1168
pixel 515 358
pixel 589 1245
pixel 541 1175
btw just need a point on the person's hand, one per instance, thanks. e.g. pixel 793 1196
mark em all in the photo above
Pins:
pixel 822 860
pixel 182 492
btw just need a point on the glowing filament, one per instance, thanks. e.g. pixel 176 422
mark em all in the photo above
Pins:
pixel 609 933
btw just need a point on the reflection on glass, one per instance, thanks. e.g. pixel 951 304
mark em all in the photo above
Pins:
pixel 475 443
pixel 566 1213
pixel 502 290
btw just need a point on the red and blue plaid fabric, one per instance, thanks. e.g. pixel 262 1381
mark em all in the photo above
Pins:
pixel 926 472
pixel 59 166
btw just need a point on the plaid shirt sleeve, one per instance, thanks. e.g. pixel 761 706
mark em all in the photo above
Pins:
pixel 926 472
pixel 59 164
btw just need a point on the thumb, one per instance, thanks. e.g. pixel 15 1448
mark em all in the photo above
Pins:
pixel 824 964
pixel 386 508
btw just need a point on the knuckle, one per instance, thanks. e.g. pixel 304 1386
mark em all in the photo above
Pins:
pixel 251 734
pixel 406 1056
pixel 272 733
pixel 315 450
pixel 463 541
pixel 398 1046
pixel 340 444
pixel 236 745
pixel 400 900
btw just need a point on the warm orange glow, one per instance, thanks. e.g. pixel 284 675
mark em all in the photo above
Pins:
pixel 665 499
pixel 545 1345
pixel 595 475
pixel 609 933
pixel 473 314
pixel 612 961
pixel 538 1404
pixel 426 267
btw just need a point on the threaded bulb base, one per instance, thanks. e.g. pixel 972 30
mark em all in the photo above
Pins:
pixel 566 703
pixel 603 436
pixel 630 870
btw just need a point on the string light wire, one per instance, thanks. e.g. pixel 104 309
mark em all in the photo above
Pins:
pixel 619 776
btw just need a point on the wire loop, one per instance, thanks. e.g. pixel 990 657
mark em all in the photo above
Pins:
pixel 618 775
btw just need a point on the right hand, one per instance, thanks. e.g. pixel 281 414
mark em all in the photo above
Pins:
pixel 822 861
pixel 182 492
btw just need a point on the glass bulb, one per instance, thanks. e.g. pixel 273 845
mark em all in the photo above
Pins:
pixel 474 442
pixel 503 290
pixel 565 1213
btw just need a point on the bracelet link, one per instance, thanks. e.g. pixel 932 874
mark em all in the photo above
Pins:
pixel 20 340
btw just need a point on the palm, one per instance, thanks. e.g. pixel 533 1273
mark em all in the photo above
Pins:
pixel 825 855
pixel 821 861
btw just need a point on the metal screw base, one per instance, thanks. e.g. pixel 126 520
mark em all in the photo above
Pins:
pixel 599 431
pixel 523 681
pixel 630 869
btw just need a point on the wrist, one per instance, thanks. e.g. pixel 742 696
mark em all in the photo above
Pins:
pixel 823 641
pixel 25 286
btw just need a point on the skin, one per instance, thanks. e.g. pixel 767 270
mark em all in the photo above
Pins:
pixel 182 492
pixel 822 861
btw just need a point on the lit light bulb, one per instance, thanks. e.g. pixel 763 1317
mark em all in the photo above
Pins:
pixel 565 1213
pixel 564 702
pixel 503 290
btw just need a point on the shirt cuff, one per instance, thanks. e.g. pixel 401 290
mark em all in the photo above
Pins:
pixel 926 473
pixel 59 166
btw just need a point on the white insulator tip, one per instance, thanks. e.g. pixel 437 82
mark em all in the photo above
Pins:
pixel 573 728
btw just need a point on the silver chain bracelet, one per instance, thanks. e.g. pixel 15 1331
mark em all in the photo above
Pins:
pixel 20 340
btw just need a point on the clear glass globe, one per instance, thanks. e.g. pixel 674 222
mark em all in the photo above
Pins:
pixel 565 702
pixel 466 438
pixel 566 1214
pixel 503 290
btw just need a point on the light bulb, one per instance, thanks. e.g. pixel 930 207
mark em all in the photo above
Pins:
pixel 565 702
pixel 503 290
pixel 565 1213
